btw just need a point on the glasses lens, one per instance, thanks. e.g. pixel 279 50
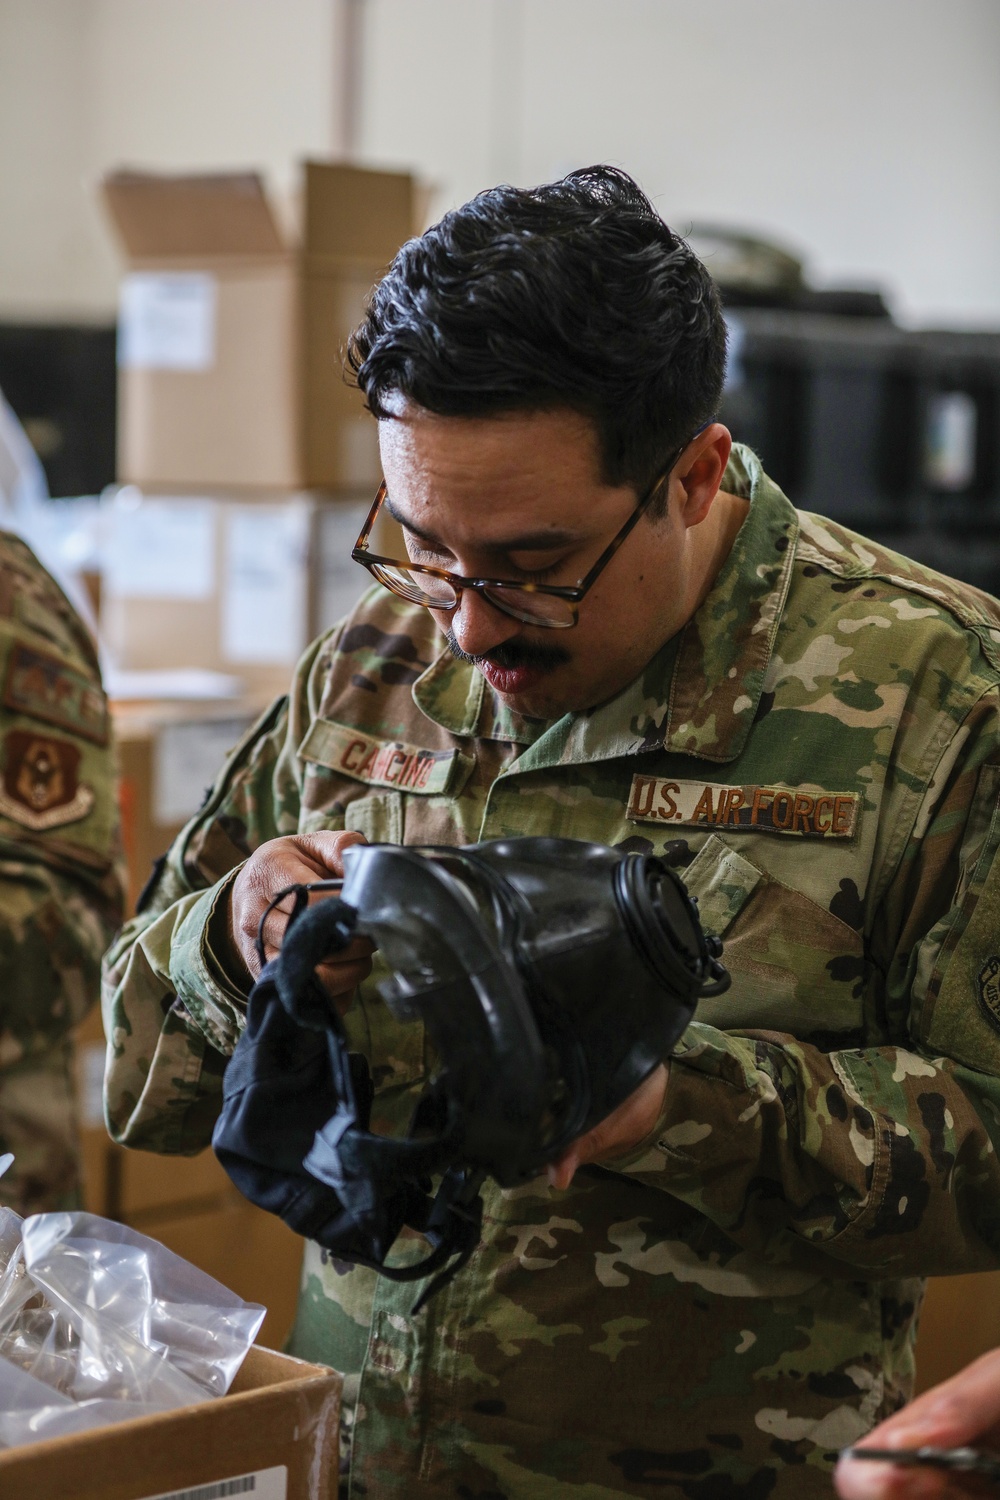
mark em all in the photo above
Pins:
pixel 419 588
pixel 531 607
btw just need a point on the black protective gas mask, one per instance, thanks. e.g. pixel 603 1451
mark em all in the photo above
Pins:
pixel 551 977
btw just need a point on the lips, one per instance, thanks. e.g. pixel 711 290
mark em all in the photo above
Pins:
pixel 509 681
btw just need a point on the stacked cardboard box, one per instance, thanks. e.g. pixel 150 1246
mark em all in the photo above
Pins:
pixel 231 337
pixel 248 465
pixel 249 461
pixel 236 584
pixel 168 756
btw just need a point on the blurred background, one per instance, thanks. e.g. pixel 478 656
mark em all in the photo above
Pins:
pixel 176 286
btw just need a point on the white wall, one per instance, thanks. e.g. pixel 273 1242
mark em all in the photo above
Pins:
pixel 88 85
pixel 44 261
pixel 865 133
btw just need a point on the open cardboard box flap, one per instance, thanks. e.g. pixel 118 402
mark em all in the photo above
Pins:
pixel 348 212
pixel 161 218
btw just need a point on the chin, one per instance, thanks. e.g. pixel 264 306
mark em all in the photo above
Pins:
pixel 539 705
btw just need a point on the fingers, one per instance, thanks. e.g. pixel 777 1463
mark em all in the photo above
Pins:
pixel 618 1134
pixel 860 1479
pixel 857 1479
pixel 341 980
pixel 561 1171
pixel 964 1410
pixel 298 859
pixel 357 954
pixel 325 850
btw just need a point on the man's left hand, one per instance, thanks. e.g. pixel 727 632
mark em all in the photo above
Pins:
pixel 618 1134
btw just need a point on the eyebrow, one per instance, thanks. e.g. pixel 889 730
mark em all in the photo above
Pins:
pixel 532 541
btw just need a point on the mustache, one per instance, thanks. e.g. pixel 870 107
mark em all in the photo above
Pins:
pixel 511 654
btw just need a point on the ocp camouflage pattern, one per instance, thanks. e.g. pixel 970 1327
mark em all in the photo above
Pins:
pixel 60 873
pixel 716 1315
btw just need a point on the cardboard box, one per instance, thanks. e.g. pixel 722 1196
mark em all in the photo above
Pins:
pixel 279 1424
pixel 239 586
pixel 231 339
pixel 168 755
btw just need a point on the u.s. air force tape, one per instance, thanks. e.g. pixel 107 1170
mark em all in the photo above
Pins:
pixel 763 809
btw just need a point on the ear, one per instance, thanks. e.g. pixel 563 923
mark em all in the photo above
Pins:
pixel 699 470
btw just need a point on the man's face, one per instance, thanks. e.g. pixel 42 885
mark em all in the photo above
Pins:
pixel 520 496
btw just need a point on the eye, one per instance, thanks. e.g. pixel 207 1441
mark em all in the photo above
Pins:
pixel 539 575
pixel 545 568
pixel 420 552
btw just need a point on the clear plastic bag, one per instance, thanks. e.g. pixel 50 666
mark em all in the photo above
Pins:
pixel 99 1323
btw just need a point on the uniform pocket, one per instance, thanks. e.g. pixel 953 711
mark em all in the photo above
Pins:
pixel 795 966
pixel 379 817
pixel 721 881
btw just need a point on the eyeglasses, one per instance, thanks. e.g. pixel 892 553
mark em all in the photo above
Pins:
pixel 553 606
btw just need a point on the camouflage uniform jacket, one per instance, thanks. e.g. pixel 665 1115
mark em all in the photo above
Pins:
pixel 60 893
pixel 721 1311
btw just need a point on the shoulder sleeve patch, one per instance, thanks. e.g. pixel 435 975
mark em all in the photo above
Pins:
pixel 40 787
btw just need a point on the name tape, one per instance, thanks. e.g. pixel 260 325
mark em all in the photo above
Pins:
pixel 388 763
pixel 767 809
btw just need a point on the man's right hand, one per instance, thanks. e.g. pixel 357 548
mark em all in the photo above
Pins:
pixel 295 860
pixel 962 1412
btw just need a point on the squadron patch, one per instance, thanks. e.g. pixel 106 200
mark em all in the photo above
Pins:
pixel 40 788
pixel 758 809
pixel 44 687
pixel 989 988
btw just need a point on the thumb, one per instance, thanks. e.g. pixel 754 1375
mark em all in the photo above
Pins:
pixel 561 1171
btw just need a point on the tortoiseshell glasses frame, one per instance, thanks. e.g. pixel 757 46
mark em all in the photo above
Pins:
pixel 549 605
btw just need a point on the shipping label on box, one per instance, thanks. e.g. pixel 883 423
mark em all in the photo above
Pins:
pixel 265 583
pixel 340 581
pixel 166 321
pixel 280 572
pixel 160 548
pixel 265 1484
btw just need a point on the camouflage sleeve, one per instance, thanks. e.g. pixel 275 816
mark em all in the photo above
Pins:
pixel 60 870
pixel 54 925
pixel 172 1014
pixel 882 1157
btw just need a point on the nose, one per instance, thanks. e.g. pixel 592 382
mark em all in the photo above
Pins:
pixel 478 627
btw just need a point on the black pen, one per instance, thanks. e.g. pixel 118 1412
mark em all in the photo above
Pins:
pixel 958 1460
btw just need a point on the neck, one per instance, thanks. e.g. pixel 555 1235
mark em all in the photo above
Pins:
pixel 711 543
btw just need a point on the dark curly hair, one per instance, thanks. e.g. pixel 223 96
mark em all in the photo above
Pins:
pixel 573 294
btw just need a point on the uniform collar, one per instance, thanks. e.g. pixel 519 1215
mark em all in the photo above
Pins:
pixel 699 694
pixel 453 694
pixel 726 646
